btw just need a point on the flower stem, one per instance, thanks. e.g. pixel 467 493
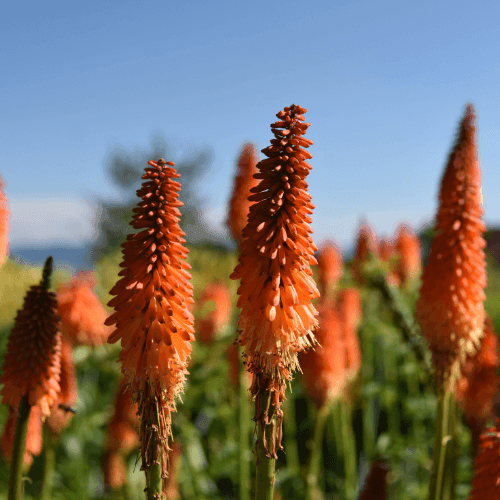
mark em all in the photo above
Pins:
pixel 16 466
pixel 49 460
pixel 154 482
pixel 316 458
pixel 245 454
pixel 291 441
pixel 442 486
pixel 350 452
pixel 264 477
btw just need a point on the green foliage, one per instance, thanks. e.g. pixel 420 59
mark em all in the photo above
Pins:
pixel 391 403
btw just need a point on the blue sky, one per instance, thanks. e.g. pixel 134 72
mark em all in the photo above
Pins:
pixel 385 85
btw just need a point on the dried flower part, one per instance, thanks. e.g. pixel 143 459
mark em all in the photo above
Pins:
pixel 487 465
pixel 350 312
pixel 33 361
pixel 479 382
pixel 410 254
pixel 375 487
pixel 219 295
pixel 62 411
pixel 450 309
pixel 324 368
pixel 115 470
pixel 4 225
pixel 122 433
pixel 329 267
pixel 277 318
pixel 33 436
pixel 82 314
pixel 367 243
pixel 152 318
pixel 239 205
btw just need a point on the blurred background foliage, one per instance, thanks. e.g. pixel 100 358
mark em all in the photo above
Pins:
pixel 392 406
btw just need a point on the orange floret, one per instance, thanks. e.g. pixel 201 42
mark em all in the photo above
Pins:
pixel 33 361
pixel 152 317
pixel 350 312
pixel 82 314
pixel 450 308
pixel 277 318
pixel 367 243
pixel 244 181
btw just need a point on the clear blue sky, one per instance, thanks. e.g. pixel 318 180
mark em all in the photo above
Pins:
pixel 385 85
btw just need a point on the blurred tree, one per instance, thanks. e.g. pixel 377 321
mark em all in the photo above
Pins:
pixel 125 168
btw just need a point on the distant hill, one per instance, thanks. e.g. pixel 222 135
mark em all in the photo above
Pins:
pixel 64 257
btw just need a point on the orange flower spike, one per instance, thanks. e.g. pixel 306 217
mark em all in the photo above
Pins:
pixel 62 412
pixel 487 466
pixel 33 437
pixel 152 318
pixel 277 318
pixel 82 314
pixel 4 225
pixel 324 368
pixel 410 254
pixel 450 309
pixel 329 267
pixel 386 249
pixel 33 361
pixel 244 181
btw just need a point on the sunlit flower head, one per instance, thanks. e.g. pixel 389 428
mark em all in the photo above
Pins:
pixel 152 318
pixel 450 308
pixel 410 254
pixel 329 267
pixel 277 318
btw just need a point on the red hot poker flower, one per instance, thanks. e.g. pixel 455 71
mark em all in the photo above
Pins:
pixel 152 318
pixel 277 318
pixel 450 309
pixel 33 361
pixel 244 181
pixel 367 243
pixel 82 314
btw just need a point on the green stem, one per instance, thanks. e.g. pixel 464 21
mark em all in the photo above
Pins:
pixel 442 486
pixel 49 460
pixel 336 422
pixel 350 452
pixel 16 466
pixel 264 473
pixel 368 408
pixel 316 458
pixel 154 482
pixel 244 415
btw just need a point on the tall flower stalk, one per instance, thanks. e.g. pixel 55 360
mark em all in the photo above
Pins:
pixel 32 367
pixel 152 318
pixel 450 307
pixel 277 318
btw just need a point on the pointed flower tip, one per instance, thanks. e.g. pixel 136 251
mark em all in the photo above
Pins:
pixel 46 273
